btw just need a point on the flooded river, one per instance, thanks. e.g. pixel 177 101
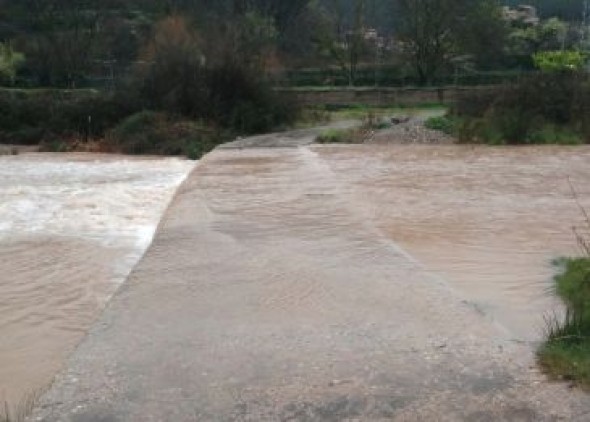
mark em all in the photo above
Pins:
pixel 488 220
pixel 71 229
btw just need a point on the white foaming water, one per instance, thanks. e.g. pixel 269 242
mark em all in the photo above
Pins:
pixel 103 200
pixel 72 227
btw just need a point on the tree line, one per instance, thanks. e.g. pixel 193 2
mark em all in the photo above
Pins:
pixel 68 43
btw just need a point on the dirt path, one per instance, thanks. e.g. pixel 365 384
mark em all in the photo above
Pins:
pixel 266 296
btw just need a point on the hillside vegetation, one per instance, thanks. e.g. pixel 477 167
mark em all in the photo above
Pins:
pixel 77 69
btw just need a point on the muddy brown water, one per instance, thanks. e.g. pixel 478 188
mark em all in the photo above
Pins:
pixel 488 220
pixel 71 229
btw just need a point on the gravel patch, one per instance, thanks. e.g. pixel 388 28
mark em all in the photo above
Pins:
pixel 412 131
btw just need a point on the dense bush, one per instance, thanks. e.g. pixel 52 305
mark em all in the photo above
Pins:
pixel 244 101
pixel 223 88
pixel 444 124
pixel 337 136
pixel 227 94
pixel 30 118
pixel 544 108
pixel 151 132
pixel 559 61
pixel 175 79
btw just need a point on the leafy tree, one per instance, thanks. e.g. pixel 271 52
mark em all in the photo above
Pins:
pixel 482 34
pixel 549 35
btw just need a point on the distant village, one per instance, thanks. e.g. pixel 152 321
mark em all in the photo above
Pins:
pixel 523 14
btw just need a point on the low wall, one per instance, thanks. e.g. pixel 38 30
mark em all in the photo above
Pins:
pixel 378 96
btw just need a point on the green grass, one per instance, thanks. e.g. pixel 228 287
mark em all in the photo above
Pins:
pixel 566 353
pixel 339 136
pixel 445 124
pixel 569 362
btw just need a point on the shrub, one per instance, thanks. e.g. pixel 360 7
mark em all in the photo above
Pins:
pixel 25 135
pixel 382 125
pixel 551 134
pixel 226 90
pixel 445 124
pixel 544 108
pixel 242 100
pixel 175 79
pixel 559 61
pixel 475 103
pixel 229 94
pixel 150 132
pixel 31 118
pixel 344 136
pixel 333 136
pixel 315 115
pixel 94 116
pixel 573 285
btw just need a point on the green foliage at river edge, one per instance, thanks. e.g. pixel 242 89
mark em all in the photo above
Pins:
pixel 566 353
pixel 545 108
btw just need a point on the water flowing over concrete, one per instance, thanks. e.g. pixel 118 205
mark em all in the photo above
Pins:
pixel 304 284
pixel 488 220
pixel 71 229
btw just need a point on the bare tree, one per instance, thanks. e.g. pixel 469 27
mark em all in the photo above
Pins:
pixel 427 29
pixel 343 39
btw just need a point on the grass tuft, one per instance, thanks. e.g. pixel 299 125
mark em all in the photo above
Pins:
pixel 21 411
pixel 338 136
pixel 445 124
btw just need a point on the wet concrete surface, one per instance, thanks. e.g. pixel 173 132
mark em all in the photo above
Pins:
pixel 287 139
pixel 268 294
